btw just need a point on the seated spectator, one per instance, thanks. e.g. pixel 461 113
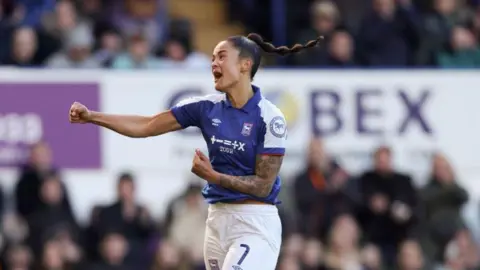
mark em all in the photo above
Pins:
pixel 57 29
pixel 312 191
pixel 410 256
pixel 23 49
pixel 390 211
pixel 168 257
pixel 179 53
pixel 325 19
pixel 389 35
pixel 340 51
pixel 18 257
pixel 443 199
pixel 437 29
pixel 146 16
pixel 34 10
pixel 27 190
pixel 312 255
pixel 126 215
pixel 110 45
pixel 186 218
pixel 464 53
pixel 113 249
pixel 343 251
pixel 77 54
pixel 128 218
pixel 371 257
pixel 461 252
pixel 288 263
pixel 51 257
pixel 52 219
pixel 138 55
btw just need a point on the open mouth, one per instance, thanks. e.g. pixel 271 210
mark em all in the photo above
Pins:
pixel 217 75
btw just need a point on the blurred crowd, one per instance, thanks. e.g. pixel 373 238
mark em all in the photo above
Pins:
pixel 131 34
pixel 331 220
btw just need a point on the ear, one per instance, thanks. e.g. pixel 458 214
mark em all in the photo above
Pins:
pixel 246 65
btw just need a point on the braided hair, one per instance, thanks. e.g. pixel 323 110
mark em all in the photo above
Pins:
pixel 251 46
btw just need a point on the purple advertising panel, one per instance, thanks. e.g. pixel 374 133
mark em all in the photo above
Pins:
pixel 30 112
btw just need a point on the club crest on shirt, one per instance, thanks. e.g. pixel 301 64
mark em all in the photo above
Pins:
pixel 278 127
pixel 247 129
pixel 213 265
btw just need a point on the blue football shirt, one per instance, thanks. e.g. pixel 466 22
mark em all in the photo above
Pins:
pixel 235 137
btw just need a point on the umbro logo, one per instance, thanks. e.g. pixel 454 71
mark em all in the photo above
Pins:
pixel 216 122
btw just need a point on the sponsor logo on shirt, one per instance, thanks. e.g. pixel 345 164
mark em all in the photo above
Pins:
pixel 228 146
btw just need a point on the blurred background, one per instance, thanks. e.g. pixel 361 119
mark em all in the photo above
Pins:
pixel 382 165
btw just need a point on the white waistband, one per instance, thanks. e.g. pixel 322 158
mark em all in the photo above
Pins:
pixel 262 209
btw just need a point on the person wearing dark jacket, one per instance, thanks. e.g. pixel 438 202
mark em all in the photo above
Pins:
pixel 443 198
pixel 390 213
pixel 52 218
pixel 390 35
pixel 319 192
pixel 27 190
pixel 128 218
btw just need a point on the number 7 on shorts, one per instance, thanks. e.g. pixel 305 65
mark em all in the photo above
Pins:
pixel 245 253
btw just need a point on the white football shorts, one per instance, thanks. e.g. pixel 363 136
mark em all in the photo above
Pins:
pixel 242 237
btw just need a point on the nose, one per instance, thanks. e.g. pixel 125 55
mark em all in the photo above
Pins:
pixel 214 65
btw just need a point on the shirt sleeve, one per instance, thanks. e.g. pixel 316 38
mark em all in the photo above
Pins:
pixel 188 112
pixel 274 133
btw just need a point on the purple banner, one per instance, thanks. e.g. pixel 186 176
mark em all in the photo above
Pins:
pixel 32 112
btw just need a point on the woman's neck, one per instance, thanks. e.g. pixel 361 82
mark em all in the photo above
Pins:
pixel 240 94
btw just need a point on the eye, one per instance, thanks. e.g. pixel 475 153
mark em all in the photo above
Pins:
pixel 222 57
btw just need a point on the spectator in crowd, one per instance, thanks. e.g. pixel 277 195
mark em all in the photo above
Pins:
pixel 372 257
pixel 18 257
pixel 33 10
pixel 77 54
pixel 410 256
pixel 32 175
pixel 343 251
pixel 186 215
pixel 179 53
pixel 389 35
pixel 437 28
pixel 113 249
pixel 129 218
pixel 52 219
pixel 110 46
pixel 389 215
pixel 443 198
pixel 51 257
pixel 464 50
pixel 461 252
pixel 58 27
pixel 146 16
pixel 340 51
pixel 169 257
pixel 320 182
pixel 23 48
pixel 312 256
pixel 325 19
pixel 138 55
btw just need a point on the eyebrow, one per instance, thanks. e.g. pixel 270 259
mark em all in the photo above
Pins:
pixel 221 51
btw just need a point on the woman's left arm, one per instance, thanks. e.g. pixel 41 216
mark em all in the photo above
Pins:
pixel 260 184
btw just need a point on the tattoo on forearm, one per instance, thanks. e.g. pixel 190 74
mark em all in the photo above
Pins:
pixel 260 184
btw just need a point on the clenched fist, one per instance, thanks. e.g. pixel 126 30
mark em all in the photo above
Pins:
pixel 79 113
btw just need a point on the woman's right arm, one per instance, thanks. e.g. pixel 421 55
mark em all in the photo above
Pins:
pixel 136 126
